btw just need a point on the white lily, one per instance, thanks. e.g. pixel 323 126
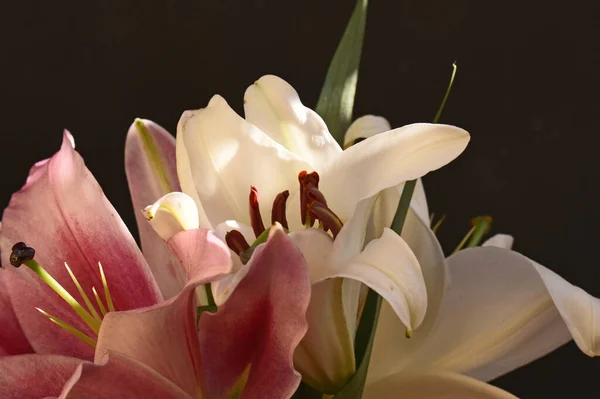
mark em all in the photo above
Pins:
pixel 220 156
pixel 501 311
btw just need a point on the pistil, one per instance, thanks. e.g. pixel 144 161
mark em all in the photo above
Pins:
pixel 24 255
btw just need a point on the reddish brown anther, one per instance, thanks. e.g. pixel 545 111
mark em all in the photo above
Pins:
pixel 255 218
pixel 330 220
pixel 307 181
pixel 278 211
pixel 236 241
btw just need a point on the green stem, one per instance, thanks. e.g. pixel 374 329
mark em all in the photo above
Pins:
pixel 481 226
pixel 443 104
pixel 403 206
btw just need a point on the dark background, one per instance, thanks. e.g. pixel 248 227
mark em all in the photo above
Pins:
pixel 527 91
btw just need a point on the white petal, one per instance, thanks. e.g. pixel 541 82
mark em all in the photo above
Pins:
pixel 499 240
pixel 389 267
pixel 503 311
pixel 273 106
pixel 438 385
pixel 225 156
pixel 325 356
pixel 172 213
pixel 392 351
pixel 386 160
pixel 365 127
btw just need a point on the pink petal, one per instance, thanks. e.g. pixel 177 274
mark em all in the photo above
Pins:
pixel 151 173
pixel 118 376
pixel 249 343
pixel 34 376
pixel 62 213
pixel 165 337
pixel 12 338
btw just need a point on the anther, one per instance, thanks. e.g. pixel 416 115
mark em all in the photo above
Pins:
pixel 21 253
pixel 307 180
pixel 255 218
pixel 330 220
pixel 236 241
pixel 278 210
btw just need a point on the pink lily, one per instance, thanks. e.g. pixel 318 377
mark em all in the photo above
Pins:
pixel 146 347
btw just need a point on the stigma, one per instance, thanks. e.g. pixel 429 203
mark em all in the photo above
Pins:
pixel 92 317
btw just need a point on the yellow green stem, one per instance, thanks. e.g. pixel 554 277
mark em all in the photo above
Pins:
pixel 85 338
pixel 83 295
pixel 109 302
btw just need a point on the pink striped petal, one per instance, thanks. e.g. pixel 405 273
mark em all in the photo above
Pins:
pixel 118 376
pixel 165 337
pixel 35 376
pixel 248 345
pixel 62 213
pixel 151 173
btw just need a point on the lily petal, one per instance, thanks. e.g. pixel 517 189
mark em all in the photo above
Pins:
pixel 172 213
pixel 118 376
pixel 151 173
pixel 35 376
pixel 386 160
pixel 12 338
pixel 434 385
pixel 272 105
pixel 62 213
pixel 211 163
pixel 392 352
pixel 499 240
pixel 164 337
pixel 365 127
pixel 503 311
pixel 251 340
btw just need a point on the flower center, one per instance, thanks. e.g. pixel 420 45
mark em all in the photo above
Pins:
pixel 313 207
pixel 24 255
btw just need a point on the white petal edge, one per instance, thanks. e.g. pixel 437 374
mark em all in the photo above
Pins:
pixel 386 160
pixel 433 385
pixel 503 311
pixel 499 240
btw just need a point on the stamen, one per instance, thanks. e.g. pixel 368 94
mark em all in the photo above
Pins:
pixel 482 226
pixel 330 220
pixel 278 213
pixel 306 180
pixel 83 295
pixel 464 240
pixel 255 218
pixel 100 304
pixel 109 302
pixel 69 328
pixel 438 224
pixel 22 254
pixel 236 241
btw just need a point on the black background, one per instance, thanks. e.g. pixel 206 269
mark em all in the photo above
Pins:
pixel 527 91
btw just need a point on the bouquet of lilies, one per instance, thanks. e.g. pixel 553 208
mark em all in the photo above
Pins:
pixel 286 253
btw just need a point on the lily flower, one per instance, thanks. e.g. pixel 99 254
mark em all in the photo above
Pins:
pixel 282 154
pixel 126 341
pixel 500 311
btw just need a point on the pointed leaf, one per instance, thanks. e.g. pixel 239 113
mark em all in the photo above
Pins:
pixel 337 95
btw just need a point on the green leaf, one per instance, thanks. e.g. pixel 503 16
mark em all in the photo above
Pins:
pixel 337 95
pixel 363 346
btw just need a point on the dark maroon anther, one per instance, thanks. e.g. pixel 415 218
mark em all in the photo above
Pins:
pixel 21 253
pixel 255 218
pixel 314 195
pixel 329 219
pixel 236 241
pixel 278 210
pixel 307 180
